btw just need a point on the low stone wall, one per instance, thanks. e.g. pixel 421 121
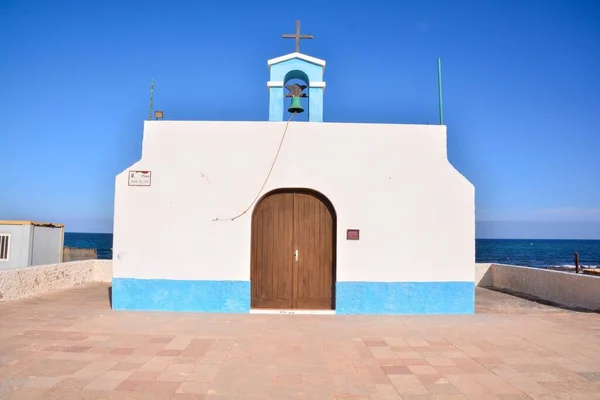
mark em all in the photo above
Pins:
pixel 77 254
pixel 483 274
pixel 562 288
pixel 20 283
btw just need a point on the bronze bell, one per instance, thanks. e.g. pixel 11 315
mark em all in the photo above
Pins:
pixel 296 94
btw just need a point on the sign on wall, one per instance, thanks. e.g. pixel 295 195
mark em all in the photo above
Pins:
pixel 140 178
pixel 352 234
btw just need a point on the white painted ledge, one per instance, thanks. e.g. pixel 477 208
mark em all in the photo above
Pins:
pixel 291 312
pixel 277 84
pixel 291 56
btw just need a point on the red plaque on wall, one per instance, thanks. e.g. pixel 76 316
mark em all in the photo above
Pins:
pixel 352 234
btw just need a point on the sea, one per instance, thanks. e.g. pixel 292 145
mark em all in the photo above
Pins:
pixel 540 253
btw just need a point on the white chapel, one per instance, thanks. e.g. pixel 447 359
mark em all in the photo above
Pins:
pixel 294 217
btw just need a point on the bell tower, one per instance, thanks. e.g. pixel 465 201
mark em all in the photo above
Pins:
pixel 296 66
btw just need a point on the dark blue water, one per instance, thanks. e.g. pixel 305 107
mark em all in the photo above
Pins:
pixel 538 253
pixel 102 242
pixel 533 253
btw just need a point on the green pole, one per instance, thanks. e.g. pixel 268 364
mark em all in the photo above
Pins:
pixel 441 106
pixel 151 98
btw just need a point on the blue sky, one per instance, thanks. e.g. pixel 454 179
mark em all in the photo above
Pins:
pixel 520 93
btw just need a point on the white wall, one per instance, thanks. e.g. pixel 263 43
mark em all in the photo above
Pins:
pixel 20 239
pixel 415 212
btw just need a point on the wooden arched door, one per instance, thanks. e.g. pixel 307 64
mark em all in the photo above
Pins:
pixel 292 257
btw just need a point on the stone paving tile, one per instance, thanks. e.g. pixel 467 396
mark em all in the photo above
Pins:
pixel 70 345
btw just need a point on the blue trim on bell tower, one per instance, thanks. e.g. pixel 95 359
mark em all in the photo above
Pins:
pixel 296 66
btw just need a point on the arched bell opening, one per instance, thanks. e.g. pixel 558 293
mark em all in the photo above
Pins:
pixel 295 89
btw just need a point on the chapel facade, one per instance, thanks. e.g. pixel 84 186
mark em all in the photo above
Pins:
pixel 294 217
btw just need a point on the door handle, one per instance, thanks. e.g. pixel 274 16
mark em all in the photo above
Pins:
pixel 296 255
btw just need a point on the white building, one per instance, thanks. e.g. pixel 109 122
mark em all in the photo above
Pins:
pixel 352 219
pixel 29 243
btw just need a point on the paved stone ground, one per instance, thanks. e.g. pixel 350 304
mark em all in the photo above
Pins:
pixel 70 345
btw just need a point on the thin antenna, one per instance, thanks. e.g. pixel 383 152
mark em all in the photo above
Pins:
pixel 151 99
pixel 441 106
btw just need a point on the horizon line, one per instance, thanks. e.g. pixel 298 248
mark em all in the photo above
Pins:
pixel 483 238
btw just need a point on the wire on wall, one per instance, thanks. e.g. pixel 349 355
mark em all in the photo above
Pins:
pixel 266 179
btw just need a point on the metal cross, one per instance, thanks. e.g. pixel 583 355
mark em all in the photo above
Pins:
pixel 297 36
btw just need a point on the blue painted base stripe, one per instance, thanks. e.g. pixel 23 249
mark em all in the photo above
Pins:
pixel 405 298
pixel 179 295
pixel 351 297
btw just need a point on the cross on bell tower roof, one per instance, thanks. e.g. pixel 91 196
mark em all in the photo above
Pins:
pixel 296 66
pixel 297 36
